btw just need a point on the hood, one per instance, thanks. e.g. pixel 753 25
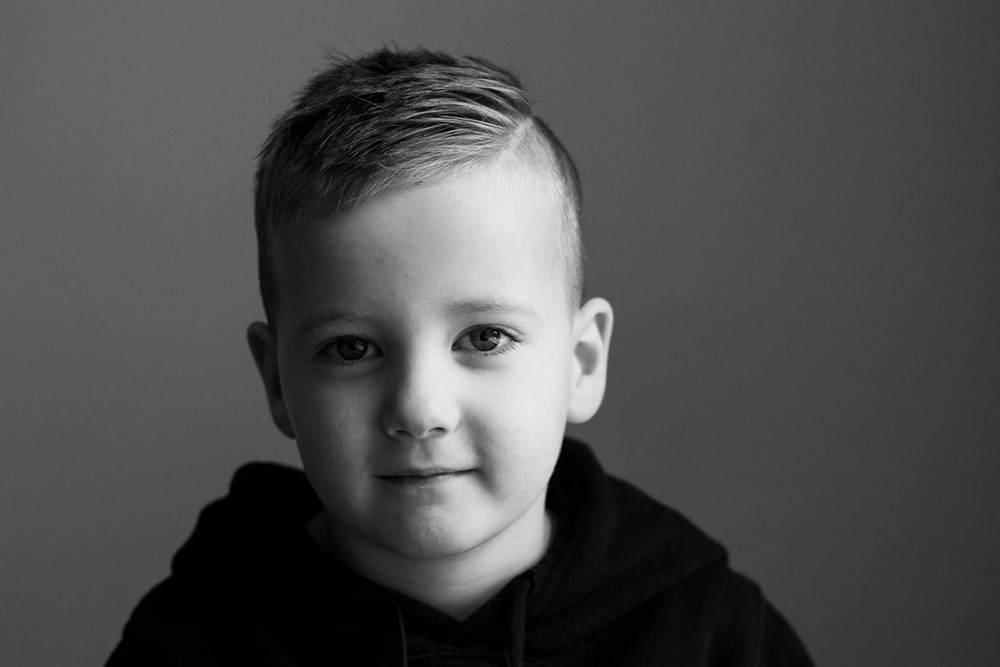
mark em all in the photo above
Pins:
pixel 615 548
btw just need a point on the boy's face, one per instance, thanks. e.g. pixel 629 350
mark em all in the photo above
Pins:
pixel 428 362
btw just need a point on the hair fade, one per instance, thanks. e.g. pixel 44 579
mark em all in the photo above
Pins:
pixel 396 119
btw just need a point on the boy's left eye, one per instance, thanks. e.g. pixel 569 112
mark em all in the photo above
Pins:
pixel 484 339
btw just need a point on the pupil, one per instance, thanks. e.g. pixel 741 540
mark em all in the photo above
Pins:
pixel 486 339
pixel 351 349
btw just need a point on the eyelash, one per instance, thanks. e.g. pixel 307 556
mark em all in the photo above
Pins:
pixel 512 344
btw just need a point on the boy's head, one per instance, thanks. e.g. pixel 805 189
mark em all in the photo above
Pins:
pixel 392 120
pixel 419 243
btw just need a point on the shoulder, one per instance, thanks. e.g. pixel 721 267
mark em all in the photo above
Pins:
pixel 195 623
pixel 167 628
pixel 661 589
pixel 211 609
pixel 732 619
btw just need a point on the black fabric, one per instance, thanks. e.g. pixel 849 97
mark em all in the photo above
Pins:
pixel 626 581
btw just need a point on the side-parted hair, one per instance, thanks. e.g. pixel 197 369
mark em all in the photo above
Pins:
pixel 396 119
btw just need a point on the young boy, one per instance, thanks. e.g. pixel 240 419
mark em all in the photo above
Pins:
pixel 426 344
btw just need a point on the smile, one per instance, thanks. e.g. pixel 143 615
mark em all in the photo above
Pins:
pixel 426 477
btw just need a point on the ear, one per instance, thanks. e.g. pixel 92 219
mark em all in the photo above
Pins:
pixel 263 346
pixel 592 336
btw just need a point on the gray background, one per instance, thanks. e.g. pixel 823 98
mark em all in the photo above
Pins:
pixel 792 206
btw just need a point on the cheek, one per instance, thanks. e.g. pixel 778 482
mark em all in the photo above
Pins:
pixel 521 399
pixel 333 441
pixel 330 419
pixel 519 424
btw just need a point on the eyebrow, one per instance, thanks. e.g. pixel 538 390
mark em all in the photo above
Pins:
pixel 499 306
pixel 322 319
pixel 462 308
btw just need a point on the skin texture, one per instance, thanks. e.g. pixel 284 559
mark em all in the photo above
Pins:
pixel 426 364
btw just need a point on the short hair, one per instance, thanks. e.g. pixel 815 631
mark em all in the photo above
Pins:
pixel 395 119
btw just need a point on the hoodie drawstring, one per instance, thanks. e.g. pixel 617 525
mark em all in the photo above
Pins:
pixel 401 653
pixel 518 605
pixel 391 641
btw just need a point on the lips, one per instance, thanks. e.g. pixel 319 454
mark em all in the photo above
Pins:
pixel 423 476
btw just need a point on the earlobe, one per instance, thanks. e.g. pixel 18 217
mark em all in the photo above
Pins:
pixel 592 335
pixel 264 348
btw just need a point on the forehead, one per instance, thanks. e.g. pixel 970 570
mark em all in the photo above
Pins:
pixel 489 234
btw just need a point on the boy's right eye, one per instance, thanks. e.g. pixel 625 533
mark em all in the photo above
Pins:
pixel 350 348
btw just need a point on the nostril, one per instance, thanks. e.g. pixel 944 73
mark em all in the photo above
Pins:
pixel 419 405
pixel 417 434
pixel 417 430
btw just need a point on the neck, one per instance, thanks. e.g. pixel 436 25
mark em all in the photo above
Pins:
pixel 456 584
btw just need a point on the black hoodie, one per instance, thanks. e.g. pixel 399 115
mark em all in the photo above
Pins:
pixel 626 581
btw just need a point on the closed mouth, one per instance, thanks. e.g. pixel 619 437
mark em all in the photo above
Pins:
pixel 423 476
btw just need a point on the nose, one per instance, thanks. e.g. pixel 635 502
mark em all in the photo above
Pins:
pixel 420 403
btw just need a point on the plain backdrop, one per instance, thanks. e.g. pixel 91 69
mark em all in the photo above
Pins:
pixel 792 206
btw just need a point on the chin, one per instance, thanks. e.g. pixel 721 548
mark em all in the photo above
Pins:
pixel 428 542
